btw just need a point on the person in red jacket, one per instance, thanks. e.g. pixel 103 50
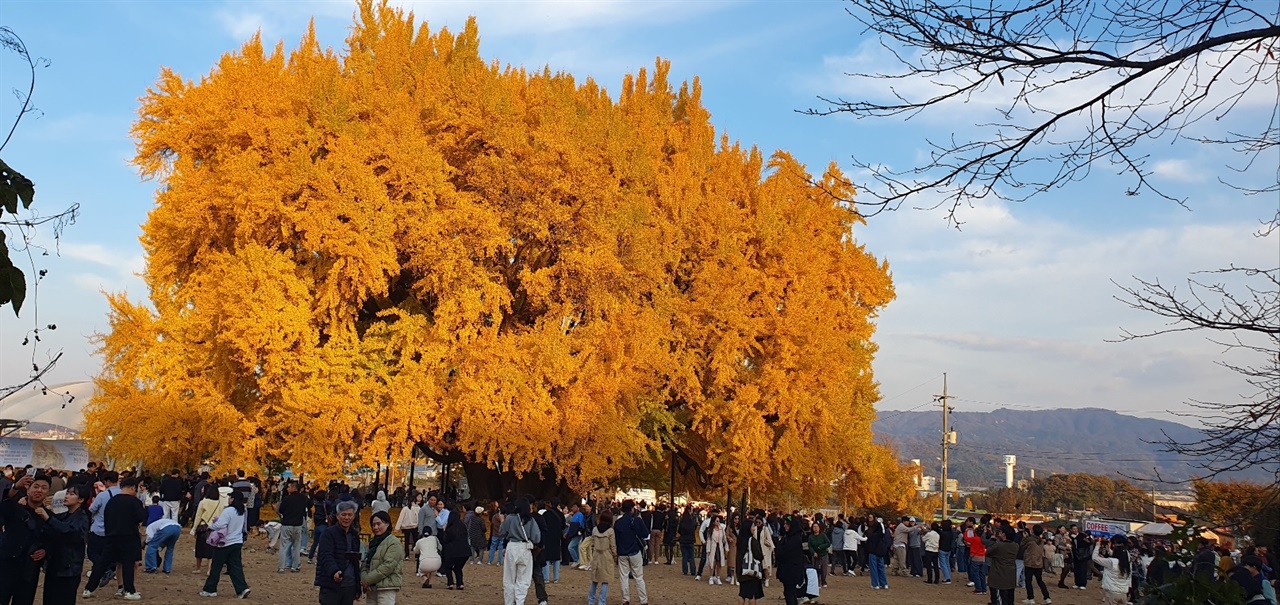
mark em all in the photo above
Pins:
pixel 977 557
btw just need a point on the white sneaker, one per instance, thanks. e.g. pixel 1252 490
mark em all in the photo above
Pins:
pixel 970 584
pixel 132 596
pixel 119 592
pixel 1029 601
pixel 244 595
pixel 86 594
pixel 1048 602
pixel 711 581
pixel 697 578
pixel 208 594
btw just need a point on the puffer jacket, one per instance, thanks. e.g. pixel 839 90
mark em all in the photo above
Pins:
pixel 334 550
pixel 65 536
pixel 385 570
pixel 1032 552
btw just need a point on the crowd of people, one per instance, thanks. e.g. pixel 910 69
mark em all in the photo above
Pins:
pixel 55 522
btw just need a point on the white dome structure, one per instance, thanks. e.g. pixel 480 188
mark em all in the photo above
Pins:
pixel 61 406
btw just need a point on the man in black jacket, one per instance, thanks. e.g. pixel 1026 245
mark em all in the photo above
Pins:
pixel 552 540
pixel 1082 555
pixel 22 550
pixel 338 558
pixel 171 494
pixel 293 512
pixel 540 561
pixel 121 518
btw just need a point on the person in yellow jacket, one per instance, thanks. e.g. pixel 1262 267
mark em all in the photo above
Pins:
pixel 214 500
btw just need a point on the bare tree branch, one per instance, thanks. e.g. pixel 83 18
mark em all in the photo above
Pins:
pixel 1145 70
pixel 1239 434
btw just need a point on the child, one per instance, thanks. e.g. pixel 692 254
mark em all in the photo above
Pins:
pixel 154 511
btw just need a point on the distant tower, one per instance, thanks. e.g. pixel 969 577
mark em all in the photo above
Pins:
pixel 1009 463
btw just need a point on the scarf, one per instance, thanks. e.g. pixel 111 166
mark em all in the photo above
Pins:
pixel 373 547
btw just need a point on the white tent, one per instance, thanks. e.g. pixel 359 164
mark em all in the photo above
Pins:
pixel 1155 529
pixel 52 407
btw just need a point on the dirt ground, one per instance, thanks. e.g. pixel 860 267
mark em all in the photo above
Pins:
pixel 484 585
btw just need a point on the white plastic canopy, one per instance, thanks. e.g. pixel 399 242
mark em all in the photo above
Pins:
pixel 1155 529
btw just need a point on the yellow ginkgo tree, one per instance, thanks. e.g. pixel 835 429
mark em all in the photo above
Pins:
pixel 403 244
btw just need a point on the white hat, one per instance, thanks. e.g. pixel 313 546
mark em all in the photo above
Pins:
pixel 57 503
pixel 479 510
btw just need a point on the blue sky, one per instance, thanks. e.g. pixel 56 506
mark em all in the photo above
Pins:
pixel 1017 306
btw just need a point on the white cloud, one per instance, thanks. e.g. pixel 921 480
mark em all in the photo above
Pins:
pixel 1183 171
pixel 541 18
pixel 242 24
pixel 1022 310
pixel 124 267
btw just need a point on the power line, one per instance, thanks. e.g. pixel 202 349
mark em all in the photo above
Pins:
pixel 1052 452
pixel 1071 456
pixel 899 413
pixel 910 389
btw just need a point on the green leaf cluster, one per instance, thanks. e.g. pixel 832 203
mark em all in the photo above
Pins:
pixel 14 189
pixel 1187 587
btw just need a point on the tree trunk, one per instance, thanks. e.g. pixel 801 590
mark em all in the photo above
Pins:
pixel 488 484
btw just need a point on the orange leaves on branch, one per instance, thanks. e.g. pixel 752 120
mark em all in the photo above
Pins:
pixel 403 242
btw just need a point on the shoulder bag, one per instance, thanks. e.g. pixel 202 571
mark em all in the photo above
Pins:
pixel 750 565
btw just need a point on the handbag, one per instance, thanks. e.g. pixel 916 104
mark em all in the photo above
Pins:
pixel 217 538
pixel 750 565
pixel 534 549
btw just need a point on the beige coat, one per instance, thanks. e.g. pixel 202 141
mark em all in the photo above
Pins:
pixel 604 556
pixel 765 536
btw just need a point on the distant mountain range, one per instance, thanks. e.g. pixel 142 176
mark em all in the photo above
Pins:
pixel 1086 440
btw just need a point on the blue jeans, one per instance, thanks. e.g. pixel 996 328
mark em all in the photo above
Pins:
pixel 495 546
pixel 688 566
pixel 877 571
pixel 574 555
pixel 978 573
pixel 315 534
pixel 166 538
pixel 551 571
pixel 944 562
pixel 604 592
pixel 962 559
pixel 1018 567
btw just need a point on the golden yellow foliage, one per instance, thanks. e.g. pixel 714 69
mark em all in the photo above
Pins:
pixel 877 481
pixel 402 243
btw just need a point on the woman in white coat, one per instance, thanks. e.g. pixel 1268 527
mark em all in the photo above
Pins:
pixel 717 545
pixel 407 524
pixel 764 535
pixel 851 539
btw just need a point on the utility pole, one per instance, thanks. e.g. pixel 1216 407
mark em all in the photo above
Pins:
pixel 1155 518
pixel 947 440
